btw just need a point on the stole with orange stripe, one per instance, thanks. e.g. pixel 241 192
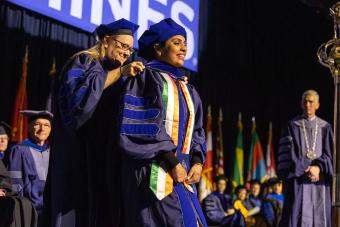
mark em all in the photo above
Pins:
pixel 161 182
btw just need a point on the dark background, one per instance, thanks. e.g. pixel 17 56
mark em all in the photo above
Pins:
pixel 256 57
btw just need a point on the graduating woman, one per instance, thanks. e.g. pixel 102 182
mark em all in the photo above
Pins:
pixel 83 186
pixel 161 135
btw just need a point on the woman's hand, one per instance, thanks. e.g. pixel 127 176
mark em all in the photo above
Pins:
pixel 179 173
pixel 195 173
pixel 132 69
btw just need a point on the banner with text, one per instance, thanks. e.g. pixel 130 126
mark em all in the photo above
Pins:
pixel 87 14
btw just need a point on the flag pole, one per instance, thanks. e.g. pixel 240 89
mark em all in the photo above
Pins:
pixel 52 73
pixel 53 70
pixel 26 53
pixel 220 159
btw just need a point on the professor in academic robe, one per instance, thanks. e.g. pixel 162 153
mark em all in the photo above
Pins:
pixel 28 160
pixel 83 184
pixel 15 211
pixel 5 133
pixel 5 181
pixel 219 209
pixel 305 164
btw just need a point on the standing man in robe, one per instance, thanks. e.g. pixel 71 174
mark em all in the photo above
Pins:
pixel 305 163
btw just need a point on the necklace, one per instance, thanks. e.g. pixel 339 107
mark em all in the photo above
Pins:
pixel 310 152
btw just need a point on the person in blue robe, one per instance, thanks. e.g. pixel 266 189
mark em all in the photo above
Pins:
pixel 271 210
pixel 14 211
pixel 305 164
pixel 219 209
pixel 245 206
pixel 254 193
pixel 5 133
pixel 5 181
pixel 28 160
pixel 83 186
pixel 161 135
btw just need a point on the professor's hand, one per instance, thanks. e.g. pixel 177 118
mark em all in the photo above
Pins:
pixel 132 69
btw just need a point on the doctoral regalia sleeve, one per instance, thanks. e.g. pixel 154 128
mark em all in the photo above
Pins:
pixel 325 161
pixel 5 180
pixel 213 212
pixel 79 89
pixel 142 133
pixel 21 171
pixel 198 144
pixel 290 163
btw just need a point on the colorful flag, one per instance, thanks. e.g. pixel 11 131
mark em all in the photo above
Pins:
pixel 219 165
pixel 19 122
pixel 237 178
pixel 256 163
pixel 206 183
pixel 270 158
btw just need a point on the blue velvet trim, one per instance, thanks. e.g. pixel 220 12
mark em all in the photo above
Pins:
pixel 204 148
pixel 189 217
pixel 198 208
pixel 139 129
pixel 78 97
pixel 277 197
pixel 34 145
pixel 141 114
pixel 73 74
pixel 176 72
pixel 139 101
pixel 182 122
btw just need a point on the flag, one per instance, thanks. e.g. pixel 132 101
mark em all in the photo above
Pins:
pixel 52 75
pixel 219 165
pixel 270 158
pixel 19 122
pixel 237 177
pixel 256 163
pixel 206 183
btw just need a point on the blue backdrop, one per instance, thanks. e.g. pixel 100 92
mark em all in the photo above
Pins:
pixel 87 14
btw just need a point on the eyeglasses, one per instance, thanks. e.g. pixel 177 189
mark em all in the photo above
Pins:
pixel 40 125
pixel 124 46
pixel 5 137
